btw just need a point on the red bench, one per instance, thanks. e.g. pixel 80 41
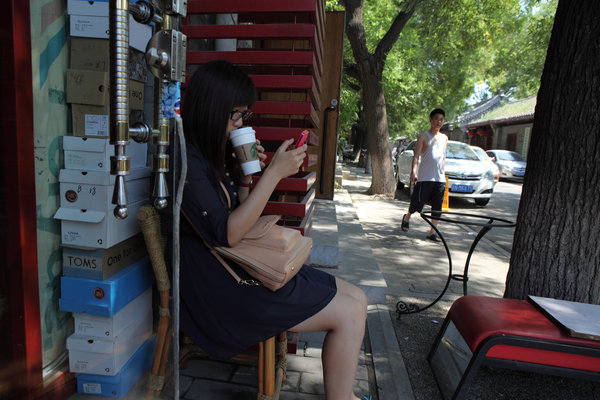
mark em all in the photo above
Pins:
pixel 505 333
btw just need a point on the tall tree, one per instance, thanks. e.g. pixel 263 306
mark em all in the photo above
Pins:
pixel 431 67
pixel 369 71
pixel 555 251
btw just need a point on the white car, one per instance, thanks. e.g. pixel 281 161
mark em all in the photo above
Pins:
pixel 511 164
pixel 468 176
pixel 484 157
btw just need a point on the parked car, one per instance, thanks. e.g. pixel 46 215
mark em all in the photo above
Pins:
pixel 484 157
pixel 468 176
pixel 397 147
pixel 511 164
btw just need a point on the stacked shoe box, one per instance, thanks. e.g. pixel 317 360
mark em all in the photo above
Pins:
pixel 88 75
pixel 86 189
pixel 112 345
pixel 86 186
pixel 107 278
pixel 107 275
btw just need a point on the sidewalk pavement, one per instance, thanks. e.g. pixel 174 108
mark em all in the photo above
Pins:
pixel 388 265
pixel 416 269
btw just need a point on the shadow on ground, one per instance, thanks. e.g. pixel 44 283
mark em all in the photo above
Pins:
pixel 416 271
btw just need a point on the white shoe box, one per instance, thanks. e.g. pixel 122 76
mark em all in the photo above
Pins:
pixel 117 386
pixel 93 154
pixel 91 229
pixel 110 327
pixel 105 356
pixel 93 190
pixel 85 7
pixel 97 26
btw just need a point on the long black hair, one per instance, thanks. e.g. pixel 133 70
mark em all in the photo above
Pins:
pixel 214 90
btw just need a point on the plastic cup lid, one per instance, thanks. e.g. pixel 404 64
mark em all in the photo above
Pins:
pixel 241 131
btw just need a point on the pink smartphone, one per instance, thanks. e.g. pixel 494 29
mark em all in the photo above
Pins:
pixel 301 139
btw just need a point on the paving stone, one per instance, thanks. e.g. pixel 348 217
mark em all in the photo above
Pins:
pixel 213 390
pixel 246 375
pixel 362 358
pixel 209 369
pixel 313 352
pixel 292 381
pixel 299 363
pixel 184 384
pixel 361 388
pixel 392 379
pixel 362 373
pixel 300 396
pixel 312 383
pixel 324 256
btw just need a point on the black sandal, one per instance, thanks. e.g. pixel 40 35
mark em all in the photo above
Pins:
pixel 433 237
pixel 404 224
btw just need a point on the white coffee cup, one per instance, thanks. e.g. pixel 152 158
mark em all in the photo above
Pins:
pixel 244 146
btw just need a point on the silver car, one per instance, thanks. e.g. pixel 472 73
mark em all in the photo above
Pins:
pixel 467 175
pixel 484 157
pixel 511 164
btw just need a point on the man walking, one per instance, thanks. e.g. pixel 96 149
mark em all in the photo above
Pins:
pixel 429 173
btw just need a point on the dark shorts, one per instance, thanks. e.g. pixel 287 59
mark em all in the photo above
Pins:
pixel 427 192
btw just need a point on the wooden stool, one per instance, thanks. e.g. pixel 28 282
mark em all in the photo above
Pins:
pixel 505 333
pixel 270 359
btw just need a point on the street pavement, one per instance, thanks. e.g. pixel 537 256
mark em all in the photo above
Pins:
pixel 416 270
pixel 503 204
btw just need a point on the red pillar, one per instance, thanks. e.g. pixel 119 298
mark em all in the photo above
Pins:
pixel 20 338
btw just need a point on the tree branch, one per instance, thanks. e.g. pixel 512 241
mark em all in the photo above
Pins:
pixel 351 84
pixel 390 37
pixel 352 71
pixel 356 32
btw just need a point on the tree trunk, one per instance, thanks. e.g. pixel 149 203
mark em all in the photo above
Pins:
pixel 359 135
pixel 382 181
pixel 370 67
pixel 555 251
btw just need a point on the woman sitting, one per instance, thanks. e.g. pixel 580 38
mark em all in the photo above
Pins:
pixel 221 316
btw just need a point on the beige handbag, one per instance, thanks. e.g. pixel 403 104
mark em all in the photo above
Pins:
pixel 270 253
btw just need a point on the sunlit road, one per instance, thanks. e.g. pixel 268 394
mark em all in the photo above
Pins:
pixel 504 204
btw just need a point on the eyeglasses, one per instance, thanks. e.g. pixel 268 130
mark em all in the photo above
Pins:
pixel 237 114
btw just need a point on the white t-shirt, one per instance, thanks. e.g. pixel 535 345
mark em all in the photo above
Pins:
pixel 433 160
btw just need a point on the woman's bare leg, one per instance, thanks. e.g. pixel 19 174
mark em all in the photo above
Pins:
pixel 344 320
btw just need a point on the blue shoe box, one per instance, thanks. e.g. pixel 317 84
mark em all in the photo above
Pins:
pixel 117 386
pixel 107 297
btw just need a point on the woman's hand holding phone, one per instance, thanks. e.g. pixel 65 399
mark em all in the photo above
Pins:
pixel 287 162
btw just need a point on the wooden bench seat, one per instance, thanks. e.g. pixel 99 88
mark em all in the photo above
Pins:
pixel 506 333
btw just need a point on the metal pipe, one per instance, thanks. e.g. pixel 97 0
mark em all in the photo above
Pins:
pixel 160 159
pixel 144 12
pixel 119 101
pixel 141 132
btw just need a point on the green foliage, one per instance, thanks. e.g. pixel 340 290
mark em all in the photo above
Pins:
pixel 333 5
pixel 431 64
pixel 518 56
pixel 342 143
pixel 444 49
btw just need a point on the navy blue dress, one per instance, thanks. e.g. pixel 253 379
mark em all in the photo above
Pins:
pixel 221 316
